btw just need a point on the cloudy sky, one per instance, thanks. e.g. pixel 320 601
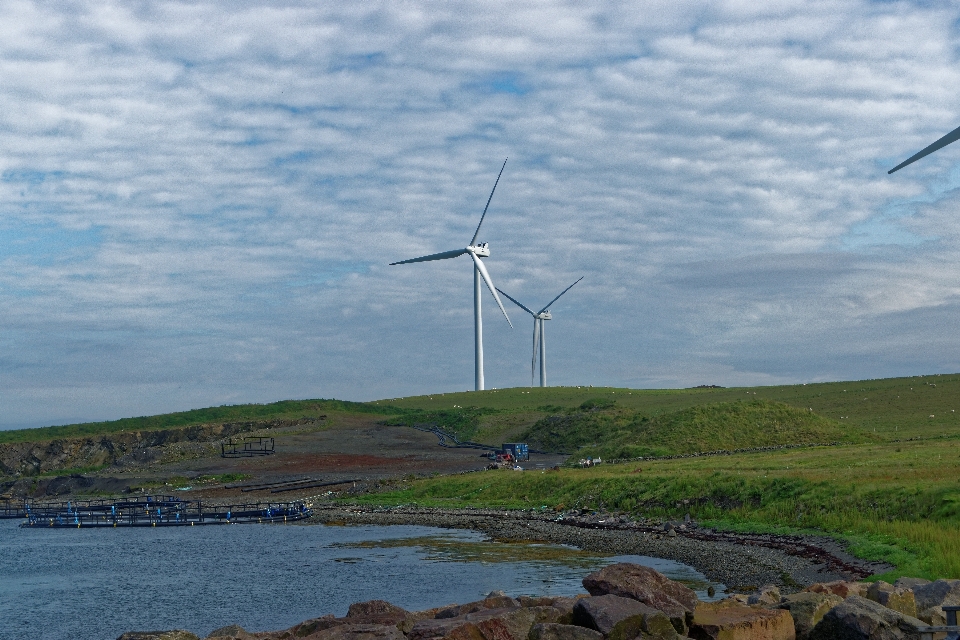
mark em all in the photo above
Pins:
pixel 199 200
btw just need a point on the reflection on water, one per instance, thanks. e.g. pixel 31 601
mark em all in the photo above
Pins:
pixel 469 547
pixel 453 548
pixel 91 584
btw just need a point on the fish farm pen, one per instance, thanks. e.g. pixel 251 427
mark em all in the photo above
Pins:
pixel 157 511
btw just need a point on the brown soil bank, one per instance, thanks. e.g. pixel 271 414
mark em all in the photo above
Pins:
pixel 34 458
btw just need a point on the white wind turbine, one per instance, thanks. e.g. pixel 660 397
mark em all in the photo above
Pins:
pixel 476 251
pixel 538 318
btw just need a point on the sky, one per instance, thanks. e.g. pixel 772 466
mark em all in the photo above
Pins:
pixel 199 201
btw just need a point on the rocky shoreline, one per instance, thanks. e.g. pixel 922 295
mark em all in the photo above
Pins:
pixel 742 562
pixel 632 602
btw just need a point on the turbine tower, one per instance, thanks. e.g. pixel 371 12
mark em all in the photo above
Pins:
pixel 953 136
pixel 476 251
pixel 538 318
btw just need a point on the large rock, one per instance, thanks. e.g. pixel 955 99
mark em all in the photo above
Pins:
pixel 495 602
pixel 564 605
pixel 621 618
pixel 726 621
pixel 513 623
pixel 807 608
pixel 937 593
pixel 358 632
pixel 840 588
pixel 934 616
pixel 176 634
pixel 552 631
pixel 910 583
pixel 645 585
pixel 230 632
pixel 375 608
pixel 766 595
pixel 858 618
pixel 309 627
pixel 896 598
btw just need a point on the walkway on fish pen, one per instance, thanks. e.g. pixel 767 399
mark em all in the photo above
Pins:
pixel 158 511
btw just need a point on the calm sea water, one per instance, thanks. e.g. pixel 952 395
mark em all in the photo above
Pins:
pixel 94 584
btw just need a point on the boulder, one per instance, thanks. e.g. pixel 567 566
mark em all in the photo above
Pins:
pixel 937 593
pixel 230 632
pixel 358 632
pixel 549 631
pixel 375 608
pixel 176 634
pixel 807 608
pixel 910 583
pixel 621 618
pixel 896 598
pixel 934 616
pixel 308 627
pixel 858 618
pixel 512 623
pixel 564 605
pixel 722 621
pixel 840 588
pixel 766 595
pixel 648 586
pixel 496 602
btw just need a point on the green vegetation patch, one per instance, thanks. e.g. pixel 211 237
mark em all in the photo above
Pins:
pixel 463 422
pixel 599 429
pixel 285 409
pixel 889 507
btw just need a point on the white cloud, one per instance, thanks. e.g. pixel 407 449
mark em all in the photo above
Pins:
pixel 199 201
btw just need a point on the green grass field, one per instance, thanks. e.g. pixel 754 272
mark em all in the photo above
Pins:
pixel 891 486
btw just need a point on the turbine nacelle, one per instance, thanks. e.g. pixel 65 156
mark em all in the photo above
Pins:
pixel 538 333
pixel 481 250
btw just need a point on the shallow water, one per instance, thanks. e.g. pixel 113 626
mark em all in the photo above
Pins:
pixel 94 584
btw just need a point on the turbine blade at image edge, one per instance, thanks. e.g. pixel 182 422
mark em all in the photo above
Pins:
pixel 515 301
pixel 486 278
pixel 434 256
pixel 477 232
pixel 558 297
pixel 953 136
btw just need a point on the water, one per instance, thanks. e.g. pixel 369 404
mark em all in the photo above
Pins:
pixel 94 584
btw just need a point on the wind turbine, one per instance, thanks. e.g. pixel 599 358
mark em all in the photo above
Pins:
pixel 953 136
pixel 538 318
pixel 475 251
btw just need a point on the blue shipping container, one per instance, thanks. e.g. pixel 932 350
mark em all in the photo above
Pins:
pixel 519 450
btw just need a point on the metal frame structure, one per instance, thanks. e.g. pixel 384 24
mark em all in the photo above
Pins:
pixel 159 511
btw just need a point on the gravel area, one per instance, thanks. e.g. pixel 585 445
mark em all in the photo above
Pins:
pixel 742 562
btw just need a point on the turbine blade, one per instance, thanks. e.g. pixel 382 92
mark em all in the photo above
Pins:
pixel 533 360
pixel 486 278
pixel 434 256
pixel 477 232
pixel 514 301
pixel 939 144
pixel 558 297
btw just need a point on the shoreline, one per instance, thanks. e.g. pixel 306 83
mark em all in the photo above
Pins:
pixel 742 562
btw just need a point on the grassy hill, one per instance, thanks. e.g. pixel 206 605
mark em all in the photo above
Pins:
pixel 893 408
pixel 891 488
pixel 598 429
pixel 286 409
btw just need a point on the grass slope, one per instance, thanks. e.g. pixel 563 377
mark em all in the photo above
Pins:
pixel 598 429
pixel 286 409
pixel 893 408
pixel 894 502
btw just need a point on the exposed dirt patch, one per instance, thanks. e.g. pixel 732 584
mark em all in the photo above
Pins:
pixel 342 447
